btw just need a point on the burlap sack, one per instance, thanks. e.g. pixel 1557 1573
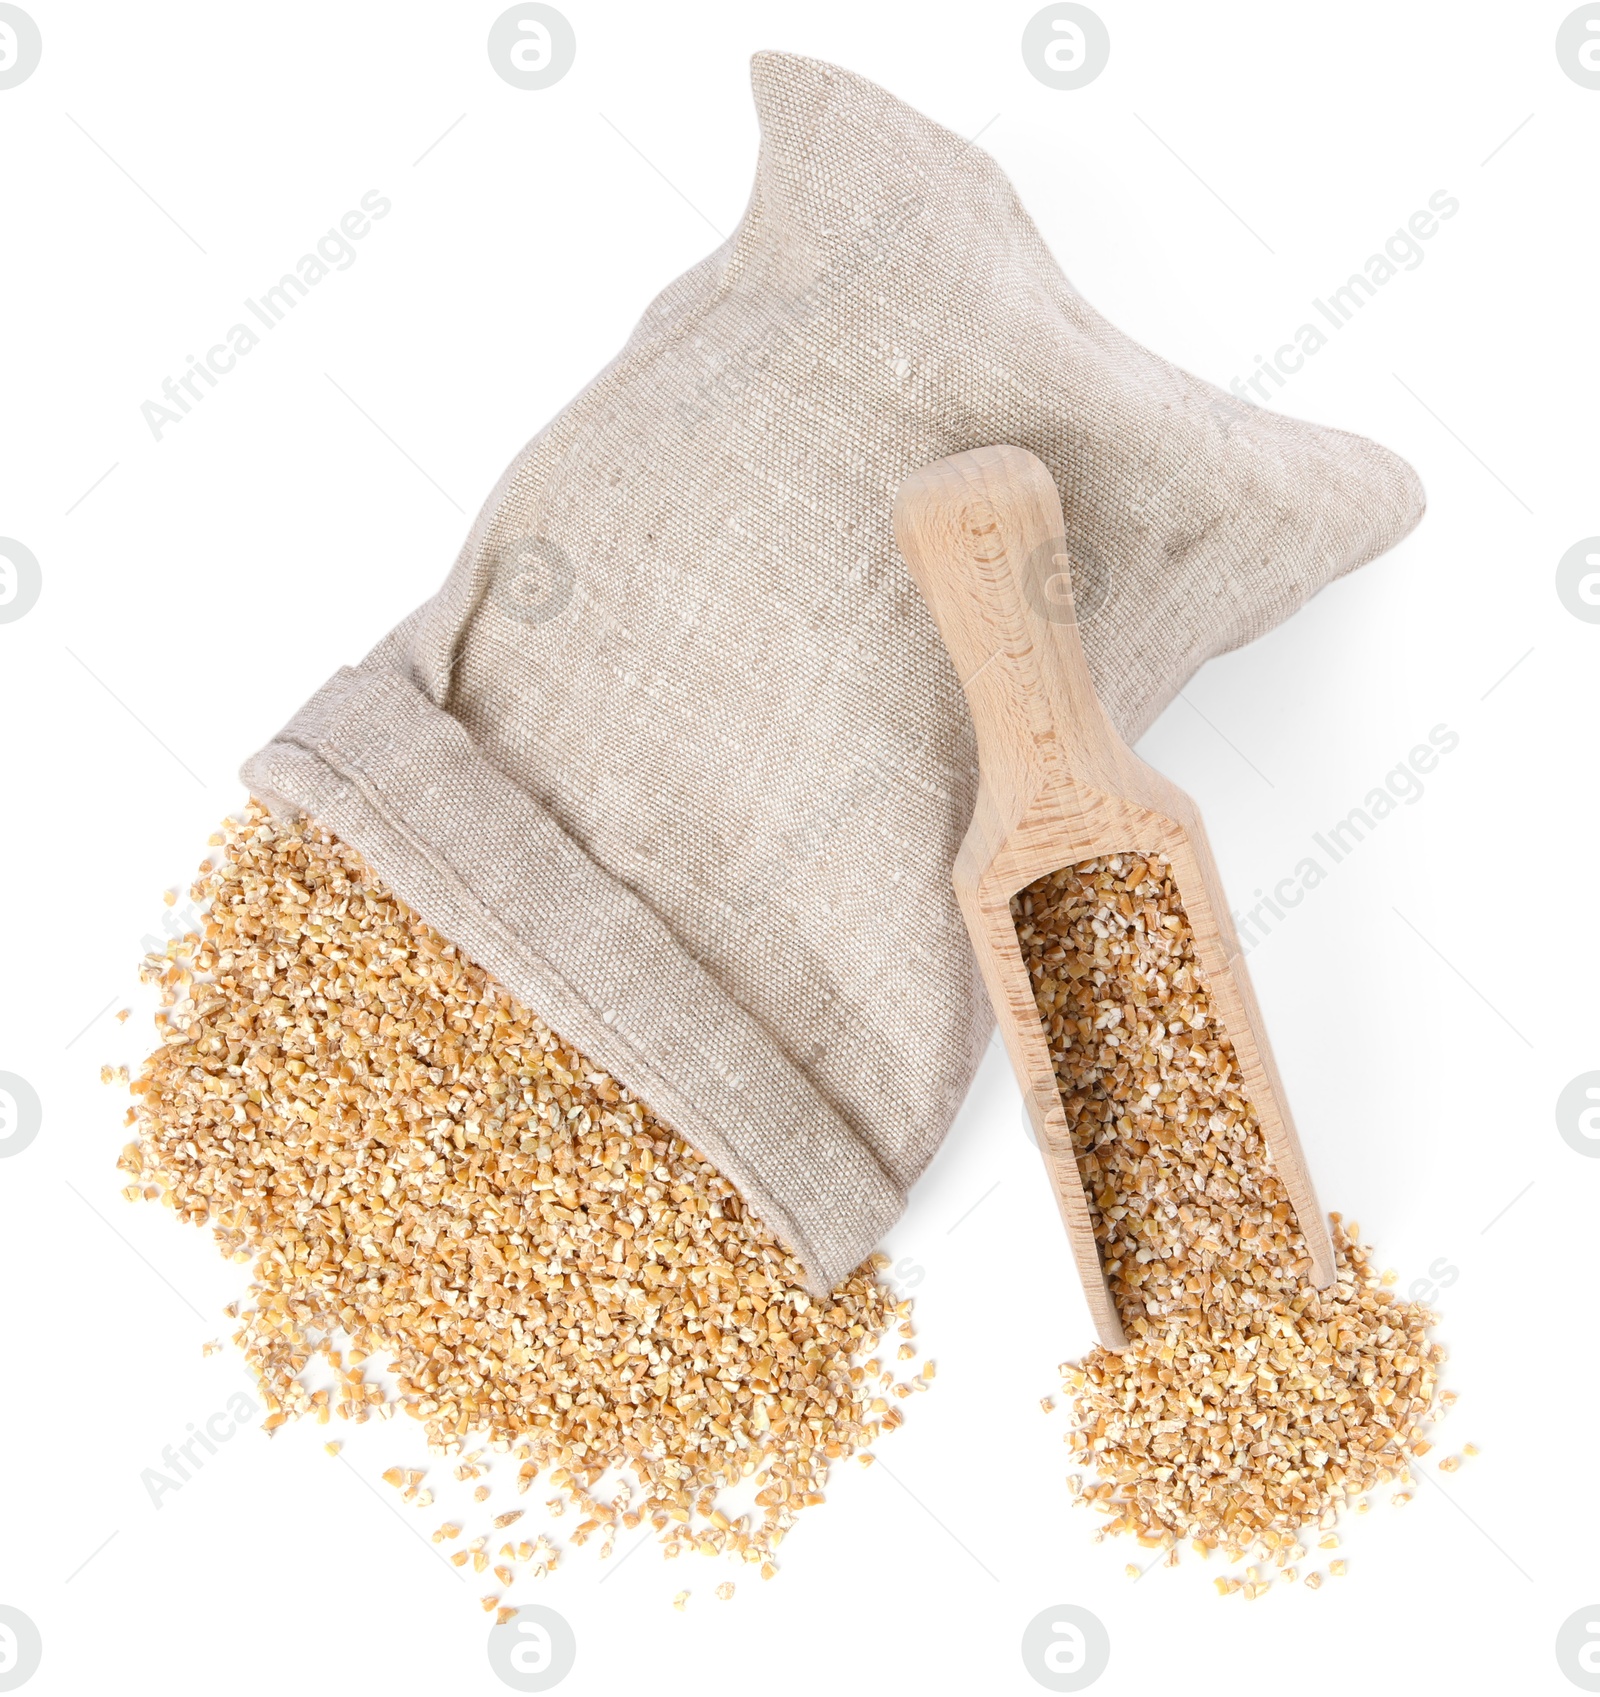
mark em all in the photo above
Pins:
pixel 676 752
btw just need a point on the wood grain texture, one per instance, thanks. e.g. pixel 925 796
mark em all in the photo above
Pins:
pixel 983 535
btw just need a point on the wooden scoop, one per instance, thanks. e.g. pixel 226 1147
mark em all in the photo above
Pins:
pixel 982 533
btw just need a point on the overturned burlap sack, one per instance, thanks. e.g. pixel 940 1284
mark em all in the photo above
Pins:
pixel 676 752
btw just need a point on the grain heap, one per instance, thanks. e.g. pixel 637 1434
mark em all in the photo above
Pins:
pixel 424 1176
pixel 1248 1405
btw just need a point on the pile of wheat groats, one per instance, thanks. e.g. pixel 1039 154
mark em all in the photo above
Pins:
pixel 426 1180
pixel 1249 1407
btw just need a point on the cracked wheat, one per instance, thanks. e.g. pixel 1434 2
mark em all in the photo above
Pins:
pixel 1248 1404
pixel 418 1171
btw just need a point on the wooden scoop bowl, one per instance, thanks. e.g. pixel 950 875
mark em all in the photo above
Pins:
pixel 983 535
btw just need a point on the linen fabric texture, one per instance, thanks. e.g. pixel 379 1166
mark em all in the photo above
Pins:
pixel 676 752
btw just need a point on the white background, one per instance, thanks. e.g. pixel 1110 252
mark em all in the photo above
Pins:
pixel 1427 1002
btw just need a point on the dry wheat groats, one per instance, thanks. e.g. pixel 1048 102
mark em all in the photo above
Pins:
pixel 1248 1405
pixel 419 1172
pixel 425 1179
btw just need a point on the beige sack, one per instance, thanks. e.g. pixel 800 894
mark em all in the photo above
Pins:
pixel 676 752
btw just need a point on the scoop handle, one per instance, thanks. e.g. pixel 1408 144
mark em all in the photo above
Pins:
pixel 982 534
